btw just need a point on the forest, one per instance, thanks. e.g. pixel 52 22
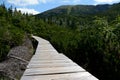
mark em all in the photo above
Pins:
pixel 91 40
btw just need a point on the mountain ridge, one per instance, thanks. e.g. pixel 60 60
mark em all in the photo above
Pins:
pixel 75 10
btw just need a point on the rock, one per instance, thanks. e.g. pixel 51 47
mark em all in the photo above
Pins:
pixel 22 52
pixel 18 58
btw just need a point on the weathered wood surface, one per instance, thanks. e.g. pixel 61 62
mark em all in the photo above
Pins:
pixel 48 64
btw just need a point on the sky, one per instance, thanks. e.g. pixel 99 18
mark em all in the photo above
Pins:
pixel 39 6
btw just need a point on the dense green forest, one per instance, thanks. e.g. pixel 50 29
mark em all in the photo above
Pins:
pixel 90 39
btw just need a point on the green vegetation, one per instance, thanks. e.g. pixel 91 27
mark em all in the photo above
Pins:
pixel 91 39
pixel 10 35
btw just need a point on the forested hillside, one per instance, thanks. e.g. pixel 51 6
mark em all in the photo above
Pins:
pixel 90 37
pixel 75 10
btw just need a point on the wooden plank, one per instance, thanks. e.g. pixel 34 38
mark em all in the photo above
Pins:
pixel 57 70
pixel 46 50
pixel 47 54
pixel 42 51
pixel 68 76
pixel 49 65
pixel 40 40
pixel 81 78
pixel 53 55
pixel 47 45
pixel 50 61
pixel 49 57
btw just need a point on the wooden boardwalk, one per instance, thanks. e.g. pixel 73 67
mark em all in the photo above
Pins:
pixel 48 64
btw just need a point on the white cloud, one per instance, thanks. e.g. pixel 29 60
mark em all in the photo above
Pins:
pixel 106 1
pixel 26 10
pixel 66 1
pixel 71 1
pixel 26 2
pixel 43 1
pixel 76 1
pixel 35 2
